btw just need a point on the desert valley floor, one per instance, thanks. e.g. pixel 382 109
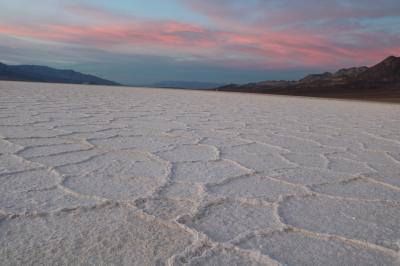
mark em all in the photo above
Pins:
pixel 96 175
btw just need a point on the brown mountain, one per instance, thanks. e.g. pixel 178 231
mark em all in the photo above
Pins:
pixel 388 71
pixel 381 81
pixel 352 72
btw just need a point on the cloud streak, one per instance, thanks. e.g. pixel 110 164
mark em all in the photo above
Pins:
pixel 236 33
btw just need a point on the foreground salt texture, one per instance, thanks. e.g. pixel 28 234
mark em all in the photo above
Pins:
pixel 121 176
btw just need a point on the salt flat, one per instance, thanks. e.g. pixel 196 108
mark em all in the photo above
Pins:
pixel 127 176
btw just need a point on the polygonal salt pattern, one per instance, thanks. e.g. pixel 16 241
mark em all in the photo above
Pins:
pixel 131 176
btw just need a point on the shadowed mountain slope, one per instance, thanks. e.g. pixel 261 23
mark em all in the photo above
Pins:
pixel 47 74
pixel 381 81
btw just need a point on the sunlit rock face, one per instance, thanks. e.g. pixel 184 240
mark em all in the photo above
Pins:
pixel 128 176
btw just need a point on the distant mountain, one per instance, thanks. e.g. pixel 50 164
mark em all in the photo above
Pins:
pixel 379 81
pixel 352 72
pixel 184 84
pixel 388 71
pixel 47 74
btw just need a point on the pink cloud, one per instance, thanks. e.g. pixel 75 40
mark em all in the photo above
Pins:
pixel 254 41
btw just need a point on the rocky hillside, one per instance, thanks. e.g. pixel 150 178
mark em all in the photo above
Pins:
pixel 381 81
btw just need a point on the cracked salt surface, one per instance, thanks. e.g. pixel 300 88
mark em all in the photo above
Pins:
pixel 123 176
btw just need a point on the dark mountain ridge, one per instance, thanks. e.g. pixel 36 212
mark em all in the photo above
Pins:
pixel 379 81
pixel 48 74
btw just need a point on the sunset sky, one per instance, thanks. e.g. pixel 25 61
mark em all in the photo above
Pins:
pixel 135 41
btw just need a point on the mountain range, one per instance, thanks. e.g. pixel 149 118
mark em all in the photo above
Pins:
pixel 47 74
pixel 186 84
pixel 379 81
pixel 179 84
pixel 38 73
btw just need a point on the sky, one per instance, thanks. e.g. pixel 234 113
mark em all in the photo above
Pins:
pixel 224 41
